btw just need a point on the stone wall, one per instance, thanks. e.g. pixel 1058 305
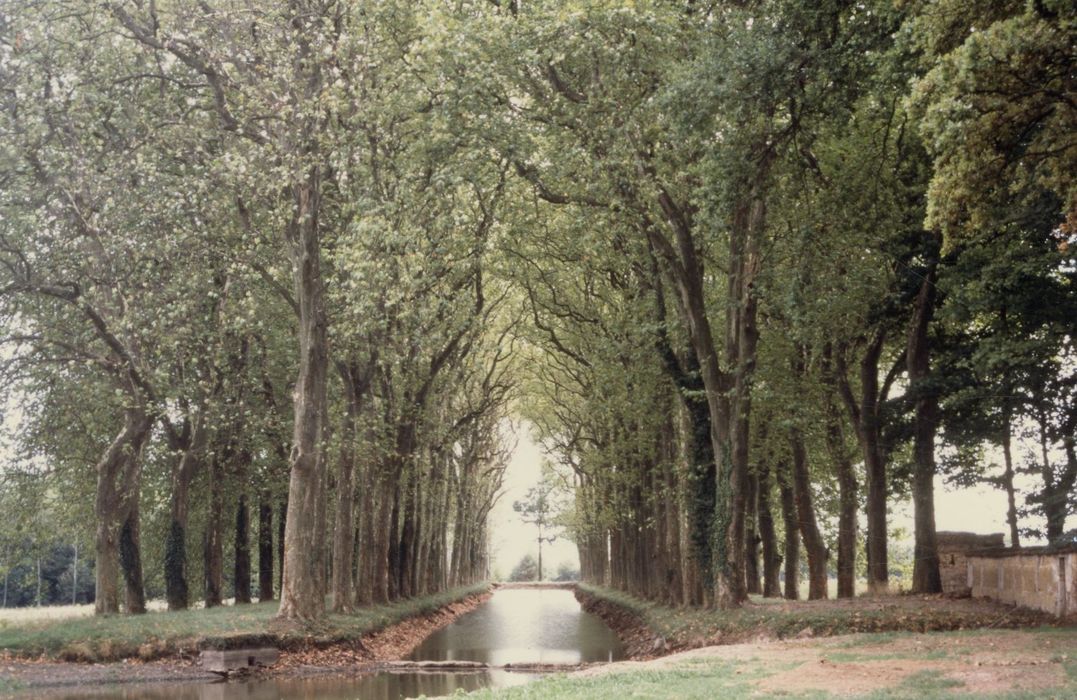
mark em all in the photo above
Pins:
pixel 953 548
pixel 1045 578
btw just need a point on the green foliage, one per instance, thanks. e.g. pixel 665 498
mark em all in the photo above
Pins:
pixel 525 570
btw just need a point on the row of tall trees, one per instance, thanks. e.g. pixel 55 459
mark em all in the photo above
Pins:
pixel 791 249
pixel 245 279
pixel 290 262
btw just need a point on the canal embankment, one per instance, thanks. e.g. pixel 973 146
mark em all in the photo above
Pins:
pixel 649 630
pixel 165 646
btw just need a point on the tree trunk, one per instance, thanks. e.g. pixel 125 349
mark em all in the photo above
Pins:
pixel 242 575
pixel 302 594
pixel 1007 483
pixel 282 522
pixel 814 546
pixel 847 505
pixel 131 559
pixel 768 536
pixel 344 526
pixel 792 534
pixel 925 573
pixel 118 482
pixel 212 544
pixel 865 417
pixel 265 547
pixel 75 577
pixel 183 472
pixel 751 536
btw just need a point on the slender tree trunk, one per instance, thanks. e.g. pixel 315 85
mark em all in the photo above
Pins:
pixel 265 547
pixel 768 536
pixel 75 577
pixel 212 544
pixel 865 416
pixel 847 486
pixel 344 527
pixel 1008 486
pixel 814 546
pixel 792 534
pixel 847 506
pixel 751 536
pixel 242 552
pixel 925 572
pixel 364 584
pixel 282 522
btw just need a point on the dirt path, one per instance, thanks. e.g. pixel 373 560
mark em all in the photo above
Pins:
pixel 977 663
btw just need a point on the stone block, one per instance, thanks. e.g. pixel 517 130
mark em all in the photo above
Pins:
pixel 231 660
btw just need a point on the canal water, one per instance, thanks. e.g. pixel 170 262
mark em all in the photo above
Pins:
pixel 515 626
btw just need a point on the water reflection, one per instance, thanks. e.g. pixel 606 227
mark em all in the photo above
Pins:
pixel 514 626
pixel 524 626
pixel 380 686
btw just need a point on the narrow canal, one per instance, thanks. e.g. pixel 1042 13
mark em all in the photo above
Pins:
pixel 515 626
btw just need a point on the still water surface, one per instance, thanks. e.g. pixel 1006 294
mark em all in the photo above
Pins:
pixel 515 626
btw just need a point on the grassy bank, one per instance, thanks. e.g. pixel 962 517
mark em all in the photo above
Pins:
pixel 684 628
pixel 997 664
pixel 158 634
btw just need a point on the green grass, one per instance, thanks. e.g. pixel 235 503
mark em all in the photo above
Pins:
pixel 158 634
pixel 717 677
pixel 714 679
pixel 689 626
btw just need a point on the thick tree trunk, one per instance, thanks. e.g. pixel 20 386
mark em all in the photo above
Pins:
pixel 814 546
pixel 131 559
pixel 769 538
pixel 303 590
pixel 184 471
pixel 792 534
pixel 265 547
pixel 925 573
pixel 728 523
pixel 118 483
